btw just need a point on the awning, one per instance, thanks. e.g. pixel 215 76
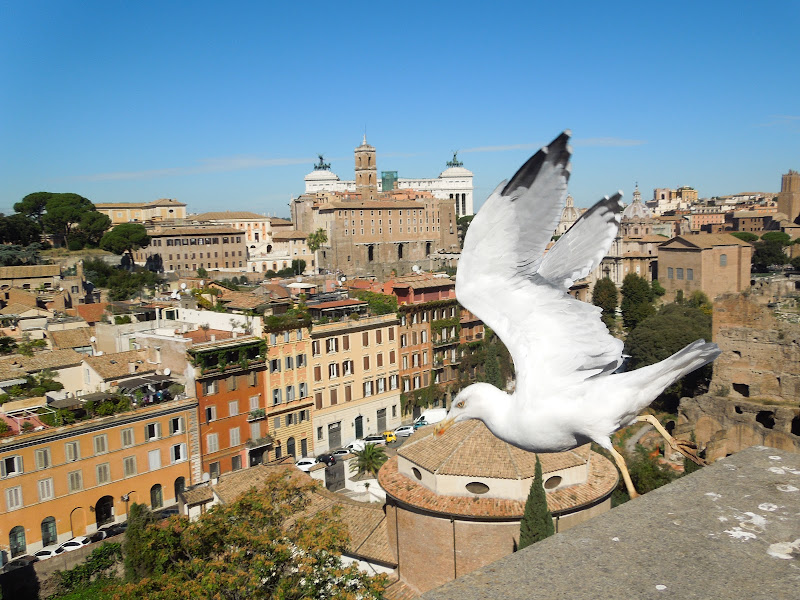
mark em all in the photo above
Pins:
pixel 139 382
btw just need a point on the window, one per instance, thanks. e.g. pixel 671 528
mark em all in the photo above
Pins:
pixel 406 384
pixel 103 473
pixel 301 360
pixel 43 460
pixel 405 361
pixel 378 336
pixel 394 410
pixel 367 388
pixel 315 348
pixel 366 363
pixel 254 402
pixel 11 465
pixel 213 469
pixel 234 437
pixel 211 413
pixel 152 431
pixel 334 396
pixel 679 273
pixel 275 365
pixel 285 337
pixel 273 339
pixel 723 260
pixel 176 425
pixel 232 383
pixel 212 442
pixel 233 408
pixel 299 334
pixel 391 334
pixel 75 481
pixel 690 274
pixel 255 430
pixel 127 437
pixel 670 273
pixel 252 378
pixel 14 499
pixel 423 337
pixel 318 400
pixel 319 433
pixel 177 453
pixel 154 460
pixel 347 367
pixel 333 370
pixel 416 382
pixel 72 450
pixel 289 393
pixel 392 382
pixel 379 359
pixel 236 463
pixel 276 423
pixel 303 390
pixel 365 339
pixel 317 373
pixel 277 396
pixel 425 357
pixel 46 489
pixel 403 340
pixel 392 357
pixel 348 393
pixel 210 387
pixel 381 385
pixel 100 444
pixel 345 342
pixel 289 362
pixel 331 345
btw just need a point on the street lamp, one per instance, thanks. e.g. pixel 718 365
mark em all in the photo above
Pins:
pixel 71 529
pixel 126 498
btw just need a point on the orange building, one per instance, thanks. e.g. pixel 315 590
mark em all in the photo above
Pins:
pixel 229 381
pixel 60 482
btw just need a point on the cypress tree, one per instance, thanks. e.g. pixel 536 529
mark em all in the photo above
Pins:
pixel 537 521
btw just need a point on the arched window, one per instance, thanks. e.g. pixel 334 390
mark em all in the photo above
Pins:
pixel 290 449
pixel 49 534
pixel 16 541
pixel 723 260
pixel 156 497
pixel 180 486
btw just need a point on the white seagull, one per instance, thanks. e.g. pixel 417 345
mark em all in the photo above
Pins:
pixel 567 392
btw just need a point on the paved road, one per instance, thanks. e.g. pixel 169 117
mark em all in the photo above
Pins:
pixel 630 445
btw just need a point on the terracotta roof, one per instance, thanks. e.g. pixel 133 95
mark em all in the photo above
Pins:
pixel 71 338
pixel 198 495
pixel 398 590
pixel 91 313
pixel 54 359
pixel 230 215
pixel 469 448
pixel 279 222
pixel 116 366
pixel 197 230
pixel 9 372
pixel 709 240
pixel 289 235
pixel 20 309
pixel 601 482
pixel 243 300
pixel 418 282
pixel 198 336
pixel 275 290
pixel 25 271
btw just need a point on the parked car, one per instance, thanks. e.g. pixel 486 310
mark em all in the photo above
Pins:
pixel 114 529
pixel 404 430
pixel 75 543
pixel 305 464
pixel 326 459
pixel 341 452
pixel 98 536
pixel 49 552
pixel 431 416
pixel 376 438
pixel 20 562
pixel 356 446
pixel 389 436
pixel 420 423
pixel 170 511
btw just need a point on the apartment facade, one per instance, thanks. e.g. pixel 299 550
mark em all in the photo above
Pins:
pixel 165 209
pixel 186 249
pixel 65 481
pixel 355 380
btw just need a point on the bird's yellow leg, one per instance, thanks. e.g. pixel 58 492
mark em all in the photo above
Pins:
pixel 670 440
pixel 626 477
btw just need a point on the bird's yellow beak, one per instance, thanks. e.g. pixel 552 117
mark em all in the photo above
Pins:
pixel 443 426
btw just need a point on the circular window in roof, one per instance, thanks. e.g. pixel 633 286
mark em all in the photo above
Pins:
pixel 552 482
pixel 416 472
pixel 476 487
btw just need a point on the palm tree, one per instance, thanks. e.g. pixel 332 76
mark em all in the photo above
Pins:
pixel 369 460
pixel 317 239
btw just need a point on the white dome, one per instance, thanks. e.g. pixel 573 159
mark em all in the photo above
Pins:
pixel 322 175
pixel 637 210
pixel 456 172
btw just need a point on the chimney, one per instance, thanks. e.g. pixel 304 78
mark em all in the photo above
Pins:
pixel 213 337
pixel 131 367
pixel 234 334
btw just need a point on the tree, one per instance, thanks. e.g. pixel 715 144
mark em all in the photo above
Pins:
pixel 745 236
pixel 8 345
pixel 317 239
pixel 93 225
pixel 463 226
pixel 63 212
pixel 491 372
pixel 125 237
pixel 136 541
pixel 262 546
pixel 34 205
pixel 766 254
pixel 13 255
pixel 537 521
pixel 781 237
pixel 298 266
pixel 19 229
pixel 369 460
pixel 605 295
pixel 637 299
pixel 201 272
pixel 379 304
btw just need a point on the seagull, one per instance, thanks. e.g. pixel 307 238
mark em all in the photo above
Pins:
pixel 568 391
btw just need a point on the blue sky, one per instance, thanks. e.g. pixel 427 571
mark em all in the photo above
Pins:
pixel 226 105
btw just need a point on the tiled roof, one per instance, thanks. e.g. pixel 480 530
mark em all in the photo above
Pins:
pixel 336 304
pixel 601 482
pixel 91 313
pixel 275 290
pixel 398 590
pixel 469 448
pixel 199 495
pixel 20 309
pixel 71 338
pixel 159 202
pixel 709 240
pixel 208 230
pixel 279 222
pixel 243 300
pixel 280 236
pixel 25 271
pixel 198 336
pixel 230 215
pixel 54 359
pixel 418 282
pixel 115 366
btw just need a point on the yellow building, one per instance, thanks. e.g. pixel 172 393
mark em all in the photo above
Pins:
pixel 61 482
pixel 165 209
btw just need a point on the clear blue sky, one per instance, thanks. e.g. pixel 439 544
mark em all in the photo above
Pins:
pixel 224 105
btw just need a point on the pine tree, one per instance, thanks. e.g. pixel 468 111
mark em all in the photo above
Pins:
pixel 537 521
pixel 605 295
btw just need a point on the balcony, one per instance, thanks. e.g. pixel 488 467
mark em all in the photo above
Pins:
pixel 257 415
pixel 259 442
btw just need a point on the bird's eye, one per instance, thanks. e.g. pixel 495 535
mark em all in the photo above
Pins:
pixel 460 404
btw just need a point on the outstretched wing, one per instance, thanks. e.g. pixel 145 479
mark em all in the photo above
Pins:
pixel 505 278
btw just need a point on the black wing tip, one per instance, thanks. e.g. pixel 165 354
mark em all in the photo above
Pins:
pixel 557 152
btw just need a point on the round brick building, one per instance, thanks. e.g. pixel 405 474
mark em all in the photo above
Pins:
pixel 454 502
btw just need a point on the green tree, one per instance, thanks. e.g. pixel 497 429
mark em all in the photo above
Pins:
pixel 463 226
pixel 783 238
pixel 19 229
pixel 492 368
pixel 605 295
pixel 637 300
pixel 369 460
pixel 93 225
pixel 646 473
pixel 137 539
pixel 63 213
pixel 745 236
pixel 8 345
pixel 537 521
pixel 264 545
pixel 317 239
pixel 33 206
pixel 298 266
pixel 379 304
pixel 125 237
pixel 766 254
pixel 201 272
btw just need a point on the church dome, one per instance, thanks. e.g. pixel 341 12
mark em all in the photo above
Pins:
pixel 456 172
pixel 637 210
pixel 570 214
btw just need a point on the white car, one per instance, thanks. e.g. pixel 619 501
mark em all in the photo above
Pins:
pixel 48 552
pixel 75 543
pixel 356 446
pixel 305 464
pixel 404 431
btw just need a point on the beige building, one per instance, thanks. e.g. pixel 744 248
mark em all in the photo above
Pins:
pixel 355 380
pixel 714 263
pixel 789 196
pixel 165 209
pixel 186 249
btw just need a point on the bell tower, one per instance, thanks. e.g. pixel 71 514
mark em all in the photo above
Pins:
pixel 366 171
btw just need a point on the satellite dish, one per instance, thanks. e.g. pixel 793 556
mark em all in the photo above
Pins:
pixel 202 283
pixel 206 477
pixel 93 339
pixel 183 286
pixel 99 353
pixel 342 278
pixel 61 289
pixel 416 269
pixel 167 371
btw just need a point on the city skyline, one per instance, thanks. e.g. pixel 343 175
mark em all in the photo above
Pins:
pixel 228 108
